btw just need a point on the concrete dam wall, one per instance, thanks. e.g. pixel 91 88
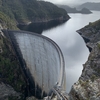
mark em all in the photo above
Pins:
pixel 41 61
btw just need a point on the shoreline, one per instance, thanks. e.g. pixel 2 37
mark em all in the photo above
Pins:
pixel 86 40
pixel 87 86
pixel 36 21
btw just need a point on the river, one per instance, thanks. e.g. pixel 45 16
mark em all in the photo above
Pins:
pixel 72 44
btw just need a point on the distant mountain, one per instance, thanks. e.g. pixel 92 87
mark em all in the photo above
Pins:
pixel 90 6
pixel 74 10
pixel 85 11
pixel 68 9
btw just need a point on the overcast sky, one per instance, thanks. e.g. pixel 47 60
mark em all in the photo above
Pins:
pixel 71 1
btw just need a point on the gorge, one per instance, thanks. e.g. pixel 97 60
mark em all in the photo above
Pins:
pixel 72 45
pixel 81 85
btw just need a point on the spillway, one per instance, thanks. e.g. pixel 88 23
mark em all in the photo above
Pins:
pixel 41 60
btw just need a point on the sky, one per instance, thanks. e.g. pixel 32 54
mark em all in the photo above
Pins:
pixel 71 2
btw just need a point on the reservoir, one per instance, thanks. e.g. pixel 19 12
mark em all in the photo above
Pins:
pixel 72 44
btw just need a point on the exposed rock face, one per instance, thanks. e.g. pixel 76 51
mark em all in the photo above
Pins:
pixel 88 85
pixel 91 32
pixel 7 91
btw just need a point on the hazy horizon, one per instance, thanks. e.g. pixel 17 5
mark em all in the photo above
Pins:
pixel 71 2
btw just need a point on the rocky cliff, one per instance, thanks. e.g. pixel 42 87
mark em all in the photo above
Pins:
pixel 88 85
pixel 90 5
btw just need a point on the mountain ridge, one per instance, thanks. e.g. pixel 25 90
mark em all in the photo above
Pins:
pixel 74 10
pixel 90 6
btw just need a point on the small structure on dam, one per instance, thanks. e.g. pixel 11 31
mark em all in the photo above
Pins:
pixel 41 60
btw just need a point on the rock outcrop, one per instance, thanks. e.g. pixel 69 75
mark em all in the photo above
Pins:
pixel 6 91
pixel 88 85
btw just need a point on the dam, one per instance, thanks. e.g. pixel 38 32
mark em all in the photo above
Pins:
pixel 41 60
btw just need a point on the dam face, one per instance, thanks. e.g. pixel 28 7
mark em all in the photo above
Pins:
pixel 41 60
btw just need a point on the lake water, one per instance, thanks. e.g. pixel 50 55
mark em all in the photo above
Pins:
pixel 72 45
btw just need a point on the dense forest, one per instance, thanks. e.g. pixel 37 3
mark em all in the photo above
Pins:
pixel 24 11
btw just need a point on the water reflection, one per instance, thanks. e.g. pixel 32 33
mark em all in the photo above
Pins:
pixel 39 27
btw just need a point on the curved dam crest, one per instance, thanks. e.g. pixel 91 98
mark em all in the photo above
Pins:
pixel 41 60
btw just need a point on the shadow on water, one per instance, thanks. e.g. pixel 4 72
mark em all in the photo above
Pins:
pixel 40 26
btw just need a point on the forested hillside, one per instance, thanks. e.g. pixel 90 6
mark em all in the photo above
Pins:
pixel 24 11
pixel 7 22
